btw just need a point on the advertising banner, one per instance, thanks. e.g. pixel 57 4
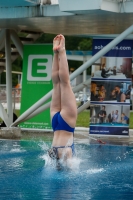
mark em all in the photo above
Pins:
pixel 110 89
pixel 36 82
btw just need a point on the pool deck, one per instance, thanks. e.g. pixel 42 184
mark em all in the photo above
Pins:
pixel 81 135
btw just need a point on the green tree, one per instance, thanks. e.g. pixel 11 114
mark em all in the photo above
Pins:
pixel 85 44
pixel 72 42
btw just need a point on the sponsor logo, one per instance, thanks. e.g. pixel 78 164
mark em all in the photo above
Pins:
pixel 124 131
pixel 39 67
pixel 123 48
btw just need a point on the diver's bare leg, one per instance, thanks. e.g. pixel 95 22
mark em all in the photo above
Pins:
pixel 68 101
pixel 56 95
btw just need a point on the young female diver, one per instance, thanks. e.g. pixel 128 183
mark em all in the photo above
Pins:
pixel 63 106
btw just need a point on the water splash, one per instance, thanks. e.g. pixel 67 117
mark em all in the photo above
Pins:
pixel 17 150
pixel 43 145
pixel 95 171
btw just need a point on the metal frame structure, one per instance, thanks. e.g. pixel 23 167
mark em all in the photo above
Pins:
pixel 5 36
pixel 82 68
pixel 105 18
pixel 37 107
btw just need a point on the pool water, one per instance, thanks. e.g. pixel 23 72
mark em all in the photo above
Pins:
pixel 98 172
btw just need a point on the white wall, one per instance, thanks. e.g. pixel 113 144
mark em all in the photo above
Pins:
pixel 54 2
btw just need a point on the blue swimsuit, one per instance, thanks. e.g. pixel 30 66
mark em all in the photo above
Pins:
pixel 58 123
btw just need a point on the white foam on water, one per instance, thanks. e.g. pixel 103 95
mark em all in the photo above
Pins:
pixel 94 171
pixel 16 145
pixel 17 150
pixel 75 163
pixel 72 164
pixel 44 146
pixel 46 158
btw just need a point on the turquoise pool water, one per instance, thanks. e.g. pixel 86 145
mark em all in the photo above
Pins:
pixel 99 172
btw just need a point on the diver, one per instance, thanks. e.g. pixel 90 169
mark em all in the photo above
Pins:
pixel 63 107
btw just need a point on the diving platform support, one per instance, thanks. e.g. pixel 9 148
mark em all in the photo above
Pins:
pixel 5 36
pixel 8 77
pixel 82 68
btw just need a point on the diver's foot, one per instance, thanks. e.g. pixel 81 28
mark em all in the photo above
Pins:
pixel 56 43
pixel 61 46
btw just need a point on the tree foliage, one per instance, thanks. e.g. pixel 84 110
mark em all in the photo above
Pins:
pixel 85 44
pixel 72 42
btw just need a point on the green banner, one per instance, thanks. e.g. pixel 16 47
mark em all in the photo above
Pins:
pixel 36 83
